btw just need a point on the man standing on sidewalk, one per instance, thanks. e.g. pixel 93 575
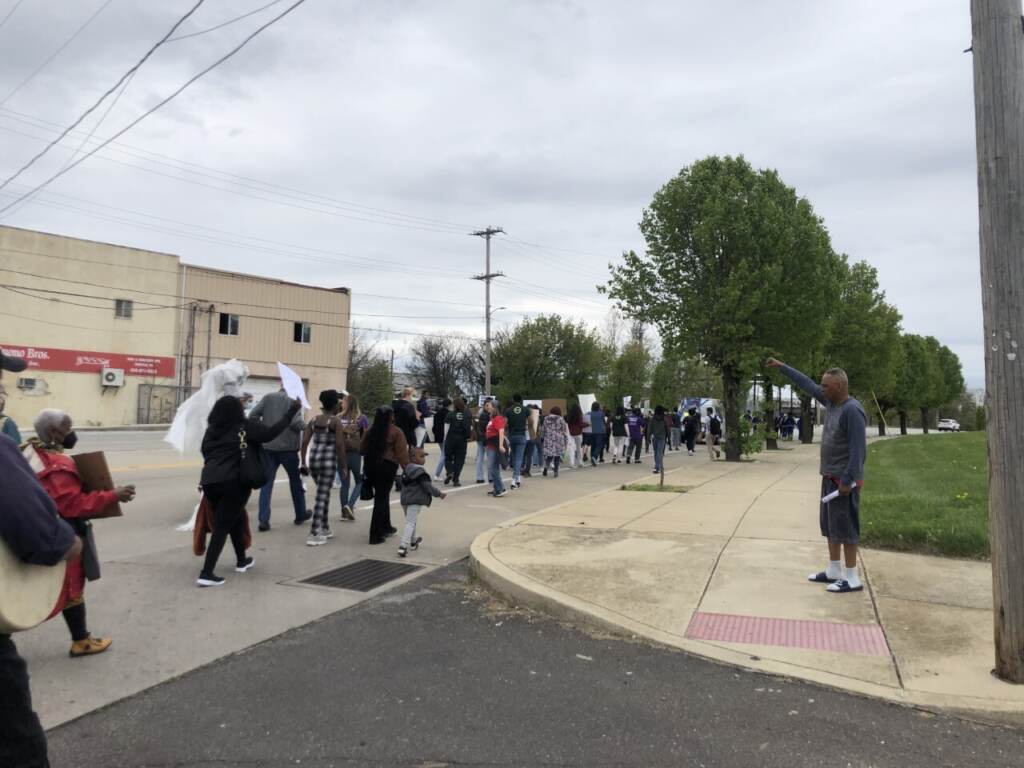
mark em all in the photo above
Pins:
pixel 843 449
pixel 282 451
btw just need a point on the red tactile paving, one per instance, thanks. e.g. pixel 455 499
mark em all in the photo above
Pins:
pixel 863 639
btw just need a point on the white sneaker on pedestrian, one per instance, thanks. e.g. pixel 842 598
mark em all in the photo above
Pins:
pixel 317 540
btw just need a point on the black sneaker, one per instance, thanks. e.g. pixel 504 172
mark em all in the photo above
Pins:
pixel 402 551
pixel 245 565
pixel 416 542
pixel 628 460
pixel 209 580
pixel 392 531
pixel 456 484
pixel 545 472
pixel 305 517
pixel 264 527
pixel 448 479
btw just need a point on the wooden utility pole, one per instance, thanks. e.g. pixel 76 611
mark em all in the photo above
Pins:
pixel 997 38
pixel 487 276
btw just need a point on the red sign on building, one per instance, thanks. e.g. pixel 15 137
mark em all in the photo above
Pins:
pixel 77 361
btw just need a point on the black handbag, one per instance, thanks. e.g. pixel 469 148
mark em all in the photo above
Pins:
pixel 366 489
pixel 90 555
pixel 252 472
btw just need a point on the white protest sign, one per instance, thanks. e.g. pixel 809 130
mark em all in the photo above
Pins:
pixel 586 401
pixel 292 383
pixel 538 403
pixel 626 401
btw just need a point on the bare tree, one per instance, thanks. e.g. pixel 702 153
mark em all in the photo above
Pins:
pixel 437 364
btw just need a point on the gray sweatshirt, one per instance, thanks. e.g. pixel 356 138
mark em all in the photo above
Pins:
pixel 272 407
pixel 417 488
pixel 844 440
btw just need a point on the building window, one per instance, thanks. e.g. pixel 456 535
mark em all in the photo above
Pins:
pixel 303 333
pixel 228 324
pixel 123 308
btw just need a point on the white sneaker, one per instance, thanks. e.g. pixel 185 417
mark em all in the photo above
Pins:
pixel 316 541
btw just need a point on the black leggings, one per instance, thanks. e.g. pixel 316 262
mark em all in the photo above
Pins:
pixel 691 440
pixel 454 460
pixel 634 446
pixel 22 741
pixel 228 502
pixel 382 479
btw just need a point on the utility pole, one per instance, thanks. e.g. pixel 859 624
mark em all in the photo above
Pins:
pixel 487 276
pixel 186 361
pixel 209 334
pixel 997 39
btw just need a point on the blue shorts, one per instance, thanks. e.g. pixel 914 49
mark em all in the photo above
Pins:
pixel 840 518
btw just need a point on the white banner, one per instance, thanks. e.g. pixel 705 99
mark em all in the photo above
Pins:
pixel 586 401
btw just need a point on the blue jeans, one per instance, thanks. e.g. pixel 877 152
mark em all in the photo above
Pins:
pixel 532 455
pixel 290 461
pixel 354 480
pixel 440 461
pixel 597 447
pixel 481 460
pixel 518 444
pixel 494 469
pixel 659 452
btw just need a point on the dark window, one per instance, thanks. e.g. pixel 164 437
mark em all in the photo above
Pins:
pixel 228 324
pixel 303 333
pixel 123 308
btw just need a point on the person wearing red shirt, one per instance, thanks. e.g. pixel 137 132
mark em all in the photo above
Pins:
pixel 494 442
pixel 58 475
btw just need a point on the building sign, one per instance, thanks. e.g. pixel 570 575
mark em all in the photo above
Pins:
pixel 77 361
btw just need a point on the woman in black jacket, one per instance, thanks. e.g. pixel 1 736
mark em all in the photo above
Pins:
pixel 221 478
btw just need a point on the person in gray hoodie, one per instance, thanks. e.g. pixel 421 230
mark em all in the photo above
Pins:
pixel 417 491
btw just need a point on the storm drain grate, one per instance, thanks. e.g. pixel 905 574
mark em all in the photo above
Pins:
pixel 362 575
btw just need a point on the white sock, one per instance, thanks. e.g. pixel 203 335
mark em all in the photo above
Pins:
pixel 834 569
pixel 850 574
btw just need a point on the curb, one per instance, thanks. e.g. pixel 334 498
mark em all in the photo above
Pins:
pixel 522 590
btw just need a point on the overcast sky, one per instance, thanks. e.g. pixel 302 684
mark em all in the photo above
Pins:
pixel 372 137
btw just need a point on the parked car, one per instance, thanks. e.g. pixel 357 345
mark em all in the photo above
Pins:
pixel 949 425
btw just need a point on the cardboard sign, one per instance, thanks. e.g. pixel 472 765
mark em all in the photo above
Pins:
pixel 95 474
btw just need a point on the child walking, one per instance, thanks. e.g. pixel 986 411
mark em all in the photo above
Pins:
pixel 417 491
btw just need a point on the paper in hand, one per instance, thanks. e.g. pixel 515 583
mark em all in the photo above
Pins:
pixel 831 497
pixel 292 384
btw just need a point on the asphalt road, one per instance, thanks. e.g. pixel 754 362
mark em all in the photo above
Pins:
pixel 434 674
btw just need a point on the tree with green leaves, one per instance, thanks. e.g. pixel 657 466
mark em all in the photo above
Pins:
pixel 675 378
pixel 628 375
pixel 369 374
pixel 865 333
pixel 916 378
pixel 946 381
pixel 722 239
pixel 547 356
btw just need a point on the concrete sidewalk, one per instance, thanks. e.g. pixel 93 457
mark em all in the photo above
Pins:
pixel 720 571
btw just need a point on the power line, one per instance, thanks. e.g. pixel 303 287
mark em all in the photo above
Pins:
pixel 147 155
pixel 10 12
pixel 113 88
pixel 357 294
pixel 150 111
pixel 224 24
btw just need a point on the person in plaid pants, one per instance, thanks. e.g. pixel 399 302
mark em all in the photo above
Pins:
pixel 326 458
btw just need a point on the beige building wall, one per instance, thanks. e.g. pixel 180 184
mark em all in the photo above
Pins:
pixel 34 262
pixel 267 311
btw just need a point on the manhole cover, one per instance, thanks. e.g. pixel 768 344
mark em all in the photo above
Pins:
pixel 362 575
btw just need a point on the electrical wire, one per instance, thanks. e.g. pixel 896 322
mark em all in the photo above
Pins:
pixel 224 24
pixel 10 12
pixel 175 163
pixel 147 269
pixel 99 101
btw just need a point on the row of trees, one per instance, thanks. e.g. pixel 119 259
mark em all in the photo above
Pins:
pixel 739 268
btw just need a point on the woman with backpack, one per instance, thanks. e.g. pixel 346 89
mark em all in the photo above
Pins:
pixel 460 428
pixel 713 435
pixel 691 426
pixel 386 450
pixel 227 431
pixel 353 427
pixel 326 459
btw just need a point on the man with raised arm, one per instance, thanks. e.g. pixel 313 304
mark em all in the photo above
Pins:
pixel 843 449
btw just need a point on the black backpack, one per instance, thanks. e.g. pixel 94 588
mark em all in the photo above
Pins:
pixel 714 426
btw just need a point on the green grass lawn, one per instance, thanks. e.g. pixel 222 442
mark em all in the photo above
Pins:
pixel 927 493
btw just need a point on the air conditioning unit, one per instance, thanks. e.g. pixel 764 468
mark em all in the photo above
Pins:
pixel 112 377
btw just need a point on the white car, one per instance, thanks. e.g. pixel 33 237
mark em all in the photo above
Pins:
pixel 949 425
